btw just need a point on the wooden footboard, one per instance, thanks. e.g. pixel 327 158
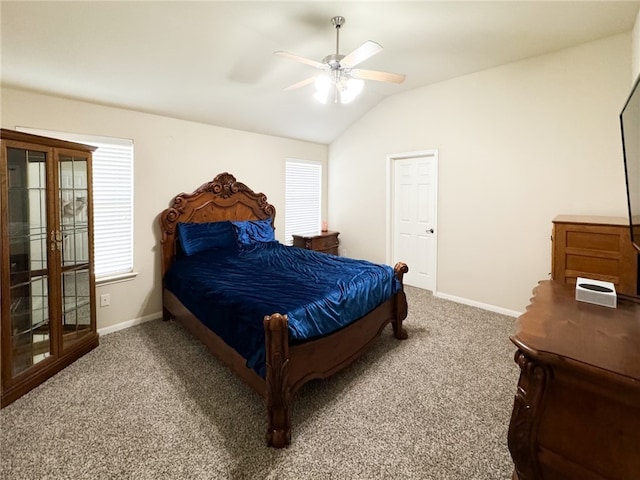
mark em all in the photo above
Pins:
pixel 290 367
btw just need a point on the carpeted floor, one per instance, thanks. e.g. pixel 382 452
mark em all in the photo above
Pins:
pixel 151 403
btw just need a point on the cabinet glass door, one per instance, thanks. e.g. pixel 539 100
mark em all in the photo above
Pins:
pixel 29 268
pixel 73 243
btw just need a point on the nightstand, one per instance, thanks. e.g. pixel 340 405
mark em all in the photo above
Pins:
pixel 326 242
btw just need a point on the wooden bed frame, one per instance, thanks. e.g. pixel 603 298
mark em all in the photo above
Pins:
pixel 288 367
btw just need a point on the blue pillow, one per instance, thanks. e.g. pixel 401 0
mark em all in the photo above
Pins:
pixel 199 237
pixel 254 231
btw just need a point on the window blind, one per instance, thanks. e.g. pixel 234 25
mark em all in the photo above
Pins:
pixel 303 200
pixel 113 208
pixel 112 200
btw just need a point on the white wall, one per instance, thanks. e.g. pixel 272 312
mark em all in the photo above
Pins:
pixel 635 49
pixel 171 156
pixel 518 145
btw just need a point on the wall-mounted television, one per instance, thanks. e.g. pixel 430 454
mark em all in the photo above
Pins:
pixel 630 126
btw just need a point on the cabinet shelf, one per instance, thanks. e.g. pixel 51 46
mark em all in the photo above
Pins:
pixel 68 308
pixel 35 328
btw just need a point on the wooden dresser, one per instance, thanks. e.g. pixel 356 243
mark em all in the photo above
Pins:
pixel 576 413
pixel 326 242
pixel 594 247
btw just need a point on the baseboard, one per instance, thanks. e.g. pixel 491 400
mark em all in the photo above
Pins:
pixel 472 303
pixel 129 323
pixel 445 296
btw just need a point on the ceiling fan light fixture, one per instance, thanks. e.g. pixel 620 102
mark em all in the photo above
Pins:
pixel 345 89
pixel 339 76
pixel 320 97
pixel 353 88
pixel 323 85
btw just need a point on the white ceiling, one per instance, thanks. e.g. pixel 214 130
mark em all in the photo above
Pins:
pixel 213 62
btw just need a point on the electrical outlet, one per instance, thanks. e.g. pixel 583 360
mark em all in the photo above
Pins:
pixel 105 300
pixel 344 252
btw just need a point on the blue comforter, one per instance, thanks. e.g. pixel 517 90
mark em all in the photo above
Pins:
pixel 231 292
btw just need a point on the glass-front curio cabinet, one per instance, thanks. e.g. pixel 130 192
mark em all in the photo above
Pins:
pixel 47 284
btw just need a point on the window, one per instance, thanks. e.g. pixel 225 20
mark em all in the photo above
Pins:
pixel 303 198
pixel 113 208
pixel 112 201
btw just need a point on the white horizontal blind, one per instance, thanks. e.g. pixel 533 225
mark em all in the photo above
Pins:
pixel 303 197
pixel 113 208
pixel 112 200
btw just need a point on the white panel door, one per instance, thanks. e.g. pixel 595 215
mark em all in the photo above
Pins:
pixel 414 237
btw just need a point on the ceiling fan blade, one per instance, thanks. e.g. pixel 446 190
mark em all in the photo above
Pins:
pixel 297 58
pixel 367 50
pixel 301 83
pixel 377 76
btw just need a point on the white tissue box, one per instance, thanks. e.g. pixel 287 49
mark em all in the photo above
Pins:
pixel 596 292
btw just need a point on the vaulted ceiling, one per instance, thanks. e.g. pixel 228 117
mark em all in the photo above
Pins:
pixel 213 62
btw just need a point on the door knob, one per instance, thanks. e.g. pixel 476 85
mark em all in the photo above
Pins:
pixel 429 231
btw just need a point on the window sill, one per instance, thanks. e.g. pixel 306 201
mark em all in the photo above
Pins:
pixel 122 277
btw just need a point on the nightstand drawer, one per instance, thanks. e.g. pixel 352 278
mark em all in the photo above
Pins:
pixel 323 243
pixel 326 242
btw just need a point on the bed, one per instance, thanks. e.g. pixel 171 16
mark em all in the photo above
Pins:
pixel 278 351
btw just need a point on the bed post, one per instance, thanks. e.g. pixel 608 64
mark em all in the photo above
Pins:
pixel 277 378
pixel 400 308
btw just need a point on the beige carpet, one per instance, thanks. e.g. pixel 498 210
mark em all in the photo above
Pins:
pixel 151 403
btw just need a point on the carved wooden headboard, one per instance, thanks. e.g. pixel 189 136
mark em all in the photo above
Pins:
pixel 223 198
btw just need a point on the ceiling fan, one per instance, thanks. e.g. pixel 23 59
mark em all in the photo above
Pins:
pixel 339 72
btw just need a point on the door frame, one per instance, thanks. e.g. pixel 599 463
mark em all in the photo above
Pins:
pixel 390 201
